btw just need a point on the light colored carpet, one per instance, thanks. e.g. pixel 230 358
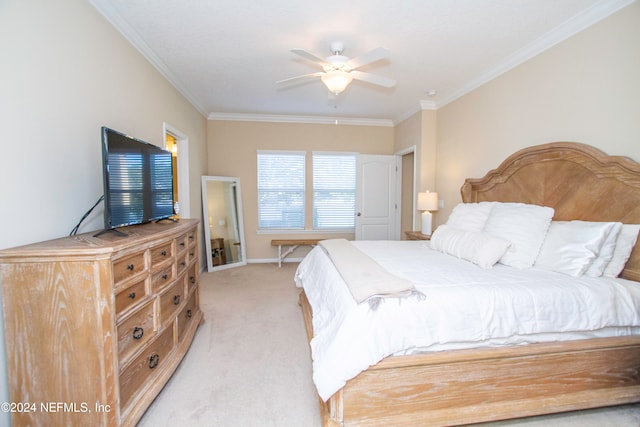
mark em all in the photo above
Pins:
pixel 249 364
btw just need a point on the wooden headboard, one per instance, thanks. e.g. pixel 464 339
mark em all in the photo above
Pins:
pixel 577 180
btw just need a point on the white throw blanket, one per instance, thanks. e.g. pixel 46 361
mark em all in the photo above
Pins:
pixel 365 278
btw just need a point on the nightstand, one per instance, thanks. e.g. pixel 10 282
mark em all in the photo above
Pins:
pixel 416 235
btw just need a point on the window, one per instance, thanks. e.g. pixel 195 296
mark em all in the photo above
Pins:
pixel 281 176
pixel 334 190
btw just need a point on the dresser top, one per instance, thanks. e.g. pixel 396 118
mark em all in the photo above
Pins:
pixel 135 236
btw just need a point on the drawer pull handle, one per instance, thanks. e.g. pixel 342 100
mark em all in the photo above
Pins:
pixel 138 332
pixel 130 267
pixel 182 264
pixel 176 299
pixel 191 253
pixel 164 276
pixel 181 243
pixel 163 253
pixel 154 359
pixel 189 313
pixel 132 295
pixel 192 279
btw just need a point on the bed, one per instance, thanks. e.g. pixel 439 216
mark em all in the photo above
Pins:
pixel 454 386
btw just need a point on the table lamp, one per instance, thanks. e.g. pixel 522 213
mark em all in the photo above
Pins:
pixel 427 202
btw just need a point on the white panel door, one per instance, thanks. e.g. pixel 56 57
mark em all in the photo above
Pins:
pixel 376 190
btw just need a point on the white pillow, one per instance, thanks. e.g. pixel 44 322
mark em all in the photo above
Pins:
pixel 524 226
pixel 470 216
pixel 606 252
pixel 624 245
pixel 479 248
pixel 571 246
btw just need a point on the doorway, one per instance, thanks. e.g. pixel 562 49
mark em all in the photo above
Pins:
pixel 171 144
pixel 178 143
pixel 407 190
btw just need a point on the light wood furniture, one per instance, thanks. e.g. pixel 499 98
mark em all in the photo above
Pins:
pixel 469 386
pixel 293 244
pixel 218 255
pixel 416 235
pixel 99 324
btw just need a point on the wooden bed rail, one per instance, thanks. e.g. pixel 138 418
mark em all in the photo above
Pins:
pixel 488 384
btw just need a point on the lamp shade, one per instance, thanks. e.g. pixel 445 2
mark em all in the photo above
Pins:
pixel 427 201
pixel 336 80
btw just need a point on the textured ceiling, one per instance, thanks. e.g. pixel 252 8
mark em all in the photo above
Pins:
pixel 225 57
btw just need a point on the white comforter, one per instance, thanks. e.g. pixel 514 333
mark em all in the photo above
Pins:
pixel 464 305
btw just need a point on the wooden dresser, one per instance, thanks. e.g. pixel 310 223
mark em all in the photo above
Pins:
pixel 95 326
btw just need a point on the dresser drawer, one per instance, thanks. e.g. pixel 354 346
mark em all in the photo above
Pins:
pixel 192 277
pixel 187 314
pixel 161 254
pixel 140 372
pixel 192 254
pixel 182 243
pixel 127 267
pixel 162 278
pixel 171 300
pixel 182 263
pixel 130 296
pixel 135 331
pixel 191 238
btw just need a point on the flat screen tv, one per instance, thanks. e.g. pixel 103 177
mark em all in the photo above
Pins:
pixel 138 180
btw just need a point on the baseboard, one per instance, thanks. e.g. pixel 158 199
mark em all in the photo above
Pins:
pixel 271 260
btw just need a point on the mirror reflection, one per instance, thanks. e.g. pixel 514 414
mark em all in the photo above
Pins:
pixel 223 224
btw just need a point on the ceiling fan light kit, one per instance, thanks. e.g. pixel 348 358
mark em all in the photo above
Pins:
pixel 339 70
pixel 336 81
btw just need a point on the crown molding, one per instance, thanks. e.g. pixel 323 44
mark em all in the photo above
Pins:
pixel 323 120
pixel 583 20
pixel 428 105
pixel 420 106
pixel 114 18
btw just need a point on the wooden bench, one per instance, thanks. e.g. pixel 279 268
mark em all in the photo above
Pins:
pixel 293 244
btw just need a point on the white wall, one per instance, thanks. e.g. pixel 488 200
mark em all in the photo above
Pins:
pixel 64 73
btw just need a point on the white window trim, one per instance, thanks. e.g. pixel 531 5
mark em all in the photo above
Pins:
pixel 336 153
pixel 298 152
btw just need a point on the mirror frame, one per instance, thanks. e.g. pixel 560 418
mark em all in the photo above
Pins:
pixel 207 229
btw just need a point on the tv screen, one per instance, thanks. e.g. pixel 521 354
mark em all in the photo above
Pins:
pixel 138 180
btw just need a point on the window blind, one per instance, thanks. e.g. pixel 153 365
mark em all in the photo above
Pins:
pixel 334 190
pixel 281 189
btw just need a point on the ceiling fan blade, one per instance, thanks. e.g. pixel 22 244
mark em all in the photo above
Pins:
pixel 373 79
pixel 310 56
pixel 299 79
pixel 368 58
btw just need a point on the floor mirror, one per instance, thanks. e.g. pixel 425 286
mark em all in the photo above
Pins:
pixel 223 223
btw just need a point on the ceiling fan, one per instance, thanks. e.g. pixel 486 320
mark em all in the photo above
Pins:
pixel 339 70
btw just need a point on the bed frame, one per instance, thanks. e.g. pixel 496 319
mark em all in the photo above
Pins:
pixel 470 386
